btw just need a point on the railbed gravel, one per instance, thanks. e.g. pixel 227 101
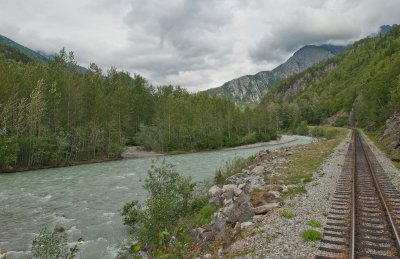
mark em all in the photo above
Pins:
pixel 387 165
pixel 279 237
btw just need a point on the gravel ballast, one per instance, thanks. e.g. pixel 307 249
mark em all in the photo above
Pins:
pixel 280 237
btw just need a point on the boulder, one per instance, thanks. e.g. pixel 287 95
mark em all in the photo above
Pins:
pixel 3 251
pixel 197 234
pixel 258 170
pixel 246 225
pixel 391 137
pixel 275 193
pixel 218 223
pixel 230 190
pixel 215 195
pixel 265 208
pixel 262 198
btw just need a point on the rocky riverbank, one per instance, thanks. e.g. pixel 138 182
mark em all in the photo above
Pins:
pixel 262 216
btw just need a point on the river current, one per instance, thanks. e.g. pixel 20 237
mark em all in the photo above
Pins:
pixel 85 199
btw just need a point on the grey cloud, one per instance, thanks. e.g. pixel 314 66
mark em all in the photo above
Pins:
pixel 197 44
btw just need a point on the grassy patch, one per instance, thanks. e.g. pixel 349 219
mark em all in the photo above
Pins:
pixel 306 159
pixel 287 214
pixel 314 223
pixel 311 235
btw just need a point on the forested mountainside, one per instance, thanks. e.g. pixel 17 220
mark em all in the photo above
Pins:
pixel 32 55
pixel 251 88
pixel 16 51
pixel 51 114
pixel 365 77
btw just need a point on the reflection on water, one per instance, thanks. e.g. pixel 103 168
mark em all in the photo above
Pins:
pixel 85 199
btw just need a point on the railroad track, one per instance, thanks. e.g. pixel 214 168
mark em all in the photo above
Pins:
pixel 364 218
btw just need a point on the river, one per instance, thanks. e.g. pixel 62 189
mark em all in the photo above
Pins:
pixel 85 199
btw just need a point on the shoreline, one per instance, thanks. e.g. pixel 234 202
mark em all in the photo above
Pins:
pixel 284 139
pixel 134 152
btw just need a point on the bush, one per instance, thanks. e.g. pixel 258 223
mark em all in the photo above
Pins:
pixel 52 245
pixel 311 235
pixel 171 197
pixel 341 121
pixel 302 129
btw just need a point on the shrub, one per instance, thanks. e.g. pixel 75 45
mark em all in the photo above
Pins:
pixel 302 129
pixel 171 197
pixel 52 245
pixel 311 235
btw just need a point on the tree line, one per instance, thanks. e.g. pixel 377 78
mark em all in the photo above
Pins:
pixel 365 79
pixel 53 114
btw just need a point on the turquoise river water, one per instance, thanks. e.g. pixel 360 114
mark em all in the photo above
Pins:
pixel 85 199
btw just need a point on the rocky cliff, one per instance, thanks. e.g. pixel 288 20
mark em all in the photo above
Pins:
pixel 391 137
pixel 251 88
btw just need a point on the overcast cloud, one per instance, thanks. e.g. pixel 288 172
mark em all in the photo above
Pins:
pixel 197 44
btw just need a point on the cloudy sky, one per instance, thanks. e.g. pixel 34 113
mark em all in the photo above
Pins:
pixel 197 44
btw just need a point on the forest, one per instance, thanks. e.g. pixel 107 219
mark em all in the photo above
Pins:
pixel 52 114
pixel 364 79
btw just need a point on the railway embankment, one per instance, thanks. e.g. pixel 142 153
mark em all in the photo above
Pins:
pixel 291 192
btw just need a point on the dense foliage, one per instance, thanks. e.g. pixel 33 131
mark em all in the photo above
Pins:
pixel 53 244
pixel 52 114
pixel 365 77
pixel 161 225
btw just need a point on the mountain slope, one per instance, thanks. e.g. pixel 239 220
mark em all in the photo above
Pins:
pixel 14 50
pixel 251 88
pixel 364 81
pixel 24 50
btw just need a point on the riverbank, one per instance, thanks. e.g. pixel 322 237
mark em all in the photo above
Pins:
pixel 69 164
pixel 139 152
pixel 288 188
pixel 131 152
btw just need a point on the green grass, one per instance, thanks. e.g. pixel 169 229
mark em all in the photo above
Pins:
pixel 204 216
pixel 287 214
pixel 314 223
pixel 311 235
pixel 306 159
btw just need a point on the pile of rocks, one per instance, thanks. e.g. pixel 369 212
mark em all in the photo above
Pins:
pixel 242 197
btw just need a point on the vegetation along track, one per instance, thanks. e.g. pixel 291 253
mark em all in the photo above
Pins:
pixel 365 213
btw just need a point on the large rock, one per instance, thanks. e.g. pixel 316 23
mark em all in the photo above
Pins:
pixel 262 198
pixel 240 210
pixel 265 208
pixel 215 195
pixel 258 170
pixel 230 191
pixel 391 137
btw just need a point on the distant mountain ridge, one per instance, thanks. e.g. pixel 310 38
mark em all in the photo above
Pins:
pixel 22 53
pixel 251 88
pixel 33 55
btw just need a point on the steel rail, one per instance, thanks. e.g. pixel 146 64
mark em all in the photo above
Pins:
pixel 353 202
pixel 381 196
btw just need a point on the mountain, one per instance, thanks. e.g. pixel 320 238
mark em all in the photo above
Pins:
pixel 251 88
pixel 24 50
pixel 14 50
pixel 361 85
